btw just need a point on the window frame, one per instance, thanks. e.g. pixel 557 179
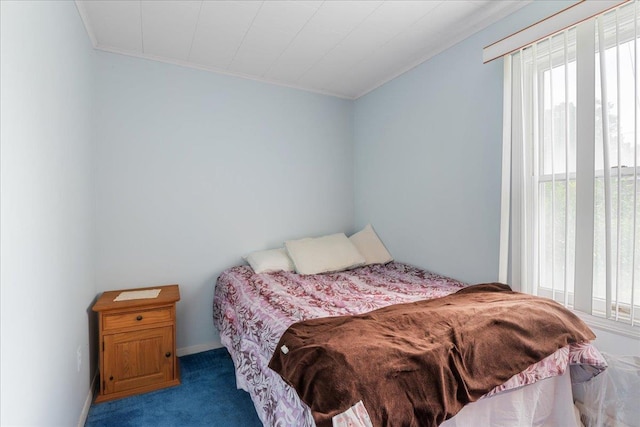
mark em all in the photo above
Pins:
pixel 583 300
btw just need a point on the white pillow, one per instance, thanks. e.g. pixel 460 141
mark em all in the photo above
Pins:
pixel 270 260
pixel 370 246
pixel 325 254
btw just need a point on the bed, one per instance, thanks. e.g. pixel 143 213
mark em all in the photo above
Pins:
pixel 253 311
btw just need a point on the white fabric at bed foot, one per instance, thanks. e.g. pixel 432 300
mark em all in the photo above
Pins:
pixel 547 403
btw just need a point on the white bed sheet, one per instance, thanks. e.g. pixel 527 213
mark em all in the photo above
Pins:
pixel 546 403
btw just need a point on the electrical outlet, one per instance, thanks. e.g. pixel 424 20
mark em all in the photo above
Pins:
pixel 79 357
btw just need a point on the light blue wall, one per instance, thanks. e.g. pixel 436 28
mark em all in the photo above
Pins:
pixel 194 170
pixel 46 215
pixel 428 157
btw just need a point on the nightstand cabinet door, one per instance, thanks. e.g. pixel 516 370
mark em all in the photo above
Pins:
pixel 138 359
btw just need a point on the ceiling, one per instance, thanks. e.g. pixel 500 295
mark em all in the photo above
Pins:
pixel 340 48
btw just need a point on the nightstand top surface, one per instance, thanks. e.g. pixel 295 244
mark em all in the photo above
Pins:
pixel 168 294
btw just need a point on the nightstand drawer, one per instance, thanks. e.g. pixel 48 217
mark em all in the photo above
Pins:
pixel 137 318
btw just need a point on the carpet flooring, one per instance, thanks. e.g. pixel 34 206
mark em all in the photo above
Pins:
pixel 207 396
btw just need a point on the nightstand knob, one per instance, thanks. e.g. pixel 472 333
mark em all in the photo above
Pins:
pixel 167 354
pixel 111 378
pixel 139 317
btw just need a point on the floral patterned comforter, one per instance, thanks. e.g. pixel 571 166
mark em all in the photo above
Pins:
pixel 252 311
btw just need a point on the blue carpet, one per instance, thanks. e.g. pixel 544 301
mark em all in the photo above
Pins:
pixel 207 396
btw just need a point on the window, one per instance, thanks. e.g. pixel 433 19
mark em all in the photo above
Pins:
pixel 575 166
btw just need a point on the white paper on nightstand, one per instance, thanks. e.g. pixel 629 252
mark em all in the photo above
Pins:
pixel 146 294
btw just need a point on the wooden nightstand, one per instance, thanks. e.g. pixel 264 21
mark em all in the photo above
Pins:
pixel 137 343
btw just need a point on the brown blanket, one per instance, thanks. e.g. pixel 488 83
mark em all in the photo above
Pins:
pixel 418 364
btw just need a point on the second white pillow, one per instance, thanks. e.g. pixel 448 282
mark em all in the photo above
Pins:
pixel 334 252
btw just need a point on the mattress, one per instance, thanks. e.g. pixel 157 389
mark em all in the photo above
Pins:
pixel 252 311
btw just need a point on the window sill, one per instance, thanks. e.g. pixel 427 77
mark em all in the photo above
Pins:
pixel 609 325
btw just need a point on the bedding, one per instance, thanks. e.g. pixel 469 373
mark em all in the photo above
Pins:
pixel 252 312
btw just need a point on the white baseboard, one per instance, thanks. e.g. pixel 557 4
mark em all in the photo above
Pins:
pixel 197 348
pixel 87 403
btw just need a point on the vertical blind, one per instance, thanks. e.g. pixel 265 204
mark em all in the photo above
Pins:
pixel 574 110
